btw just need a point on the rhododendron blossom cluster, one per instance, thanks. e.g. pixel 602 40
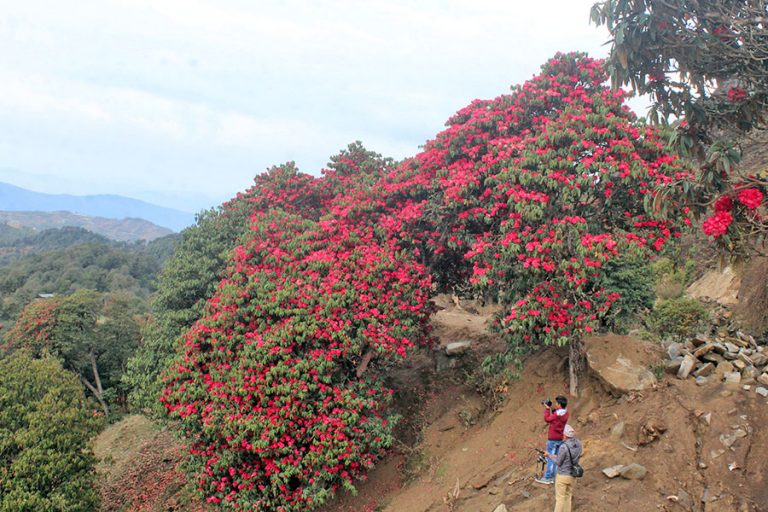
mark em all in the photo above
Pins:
pixel 735 215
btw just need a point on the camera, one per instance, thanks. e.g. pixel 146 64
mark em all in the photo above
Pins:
pixel 547 402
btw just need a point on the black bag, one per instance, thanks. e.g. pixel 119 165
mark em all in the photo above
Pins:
pixel 576 470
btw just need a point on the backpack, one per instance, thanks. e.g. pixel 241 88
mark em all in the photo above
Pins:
pixel 576 470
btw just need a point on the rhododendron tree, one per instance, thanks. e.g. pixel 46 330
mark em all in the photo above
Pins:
pixel 190 277
pixel 92 334
pixel 278 386
pixel 702 62
pixel 537 190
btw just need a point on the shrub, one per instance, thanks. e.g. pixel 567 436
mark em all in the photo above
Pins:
pixel 678 317
pixel 45 430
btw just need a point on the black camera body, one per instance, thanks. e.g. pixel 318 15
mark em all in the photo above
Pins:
pixel 547 402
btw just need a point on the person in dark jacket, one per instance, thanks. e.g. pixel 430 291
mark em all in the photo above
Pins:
pixel 567 456
pixel 556 415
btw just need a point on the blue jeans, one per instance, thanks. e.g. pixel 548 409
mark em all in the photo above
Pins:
pixel 552 447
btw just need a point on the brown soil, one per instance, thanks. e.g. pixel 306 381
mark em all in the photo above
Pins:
pixel 471 463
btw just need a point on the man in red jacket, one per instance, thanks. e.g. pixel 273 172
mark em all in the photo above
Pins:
pixel 556 415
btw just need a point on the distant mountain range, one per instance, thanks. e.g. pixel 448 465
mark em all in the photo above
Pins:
pixel 106 206
pixel 122 230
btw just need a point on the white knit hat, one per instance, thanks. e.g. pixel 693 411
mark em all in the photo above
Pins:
pixel 569 432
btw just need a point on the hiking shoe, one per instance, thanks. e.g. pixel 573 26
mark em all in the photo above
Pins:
pixel 543 481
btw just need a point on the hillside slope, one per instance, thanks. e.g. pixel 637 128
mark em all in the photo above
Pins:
pixel 454 457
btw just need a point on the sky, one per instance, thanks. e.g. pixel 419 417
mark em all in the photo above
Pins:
pixel 182 103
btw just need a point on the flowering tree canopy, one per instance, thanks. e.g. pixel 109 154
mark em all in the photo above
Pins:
pixel 703 62
pixel 278 385
pixel 537 190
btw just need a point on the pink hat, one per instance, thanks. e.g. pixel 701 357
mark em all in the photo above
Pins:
pixel 569 432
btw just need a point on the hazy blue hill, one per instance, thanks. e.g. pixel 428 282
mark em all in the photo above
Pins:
pixel 123 230
pixel 13 198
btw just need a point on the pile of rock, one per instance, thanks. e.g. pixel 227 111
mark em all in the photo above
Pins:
pixel 735 358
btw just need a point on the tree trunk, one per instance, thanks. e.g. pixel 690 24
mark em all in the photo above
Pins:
pixel 364 363
pixel 576 360
pixel 96 376
pixel 96 394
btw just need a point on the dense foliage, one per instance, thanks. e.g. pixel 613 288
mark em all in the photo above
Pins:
pixel 702 61
pixel 92 334
pixel 46 462
pixel 191 275
pixel 97 266
pixel 279 384
pixel 537 193
pixel 677 318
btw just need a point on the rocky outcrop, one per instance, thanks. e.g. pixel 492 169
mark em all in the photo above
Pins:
pixel 622 363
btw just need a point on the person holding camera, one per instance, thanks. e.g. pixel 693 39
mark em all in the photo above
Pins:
pixel 568 469
pixel 556 415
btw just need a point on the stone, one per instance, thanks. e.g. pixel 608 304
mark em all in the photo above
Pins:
pixel 763 379
pixel 707 418
pixel 500 508
pixel 739 364
pixel 728 440
pixel 457 347
pixel 761 391
pixel 749 374
pixel 673 365
pixel 720 348
pixel 613 471
pixel 744 357
pixel 618 430
pixel 622 375
pixel 733 378
pixel 730 347
pixel 702 381
pixel 759 358
pixel 723 368
pixel 686 367
pixel 704 370
pixel 739 433
pixel 713 357
pixel 675 350
pixel 704 349
pixel 716 453
pixel 633 471
pixel 700 339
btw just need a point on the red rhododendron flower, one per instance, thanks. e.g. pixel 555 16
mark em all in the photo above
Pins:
pixel 717 224
pixel 736 94
pixel 724 204
pixel 752 198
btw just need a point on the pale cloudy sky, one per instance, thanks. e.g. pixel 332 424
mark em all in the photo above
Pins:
pixel 182 102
